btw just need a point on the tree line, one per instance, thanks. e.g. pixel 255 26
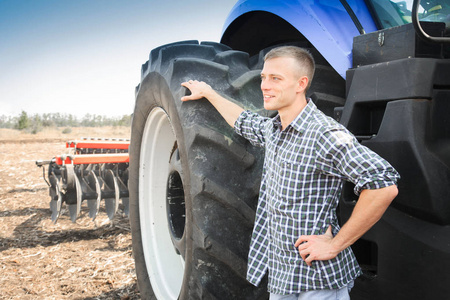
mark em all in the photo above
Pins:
pixel 37 122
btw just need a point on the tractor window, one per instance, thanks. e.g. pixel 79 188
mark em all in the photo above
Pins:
pixel 395 13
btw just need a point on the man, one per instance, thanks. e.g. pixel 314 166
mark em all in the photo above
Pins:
pixel 296 237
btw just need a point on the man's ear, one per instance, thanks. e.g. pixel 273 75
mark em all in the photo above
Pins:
pixel 302 84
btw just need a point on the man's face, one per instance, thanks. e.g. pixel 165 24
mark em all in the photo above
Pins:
pixel 280 83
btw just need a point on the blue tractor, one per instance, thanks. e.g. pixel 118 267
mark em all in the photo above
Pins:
pixel 383 70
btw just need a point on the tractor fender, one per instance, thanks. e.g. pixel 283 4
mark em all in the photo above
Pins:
pixel 325 24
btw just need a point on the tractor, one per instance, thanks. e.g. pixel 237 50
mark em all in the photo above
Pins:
pixel 382 70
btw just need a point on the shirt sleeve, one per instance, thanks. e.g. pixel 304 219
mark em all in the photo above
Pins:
pixel 252 126
pixel 340 154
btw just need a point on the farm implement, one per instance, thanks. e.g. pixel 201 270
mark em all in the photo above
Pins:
pixel 91 170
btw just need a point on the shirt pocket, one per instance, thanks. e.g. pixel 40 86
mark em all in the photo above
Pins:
pixel 295 180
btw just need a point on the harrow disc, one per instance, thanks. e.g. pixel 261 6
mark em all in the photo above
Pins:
pixel 56 198
pixel 111 188
pixel 93 204
pixel 122 180
pixel 75 200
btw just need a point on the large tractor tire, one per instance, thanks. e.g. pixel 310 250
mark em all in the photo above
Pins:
pixel 193 182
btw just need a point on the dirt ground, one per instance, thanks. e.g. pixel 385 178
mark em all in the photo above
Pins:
pixel 42 260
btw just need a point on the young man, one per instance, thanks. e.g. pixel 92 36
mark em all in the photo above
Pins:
pixel 296 237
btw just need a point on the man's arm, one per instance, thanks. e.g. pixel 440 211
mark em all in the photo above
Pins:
pixel 199 89
pixel 368 210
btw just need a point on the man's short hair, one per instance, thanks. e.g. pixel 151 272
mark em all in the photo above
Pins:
pixel 302 56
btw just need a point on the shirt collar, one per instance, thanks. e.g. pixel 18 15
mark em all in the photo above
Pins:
pixel 301 121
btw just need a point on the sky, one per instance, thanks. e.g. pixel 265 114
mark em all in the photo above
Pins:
pixel 84 56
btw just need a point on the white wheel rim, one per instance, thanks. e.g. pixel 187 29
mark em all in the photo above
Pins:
pixel 164 266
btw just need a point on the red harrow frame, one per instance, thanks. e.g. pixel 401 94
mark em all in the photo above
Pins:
pixel 91 170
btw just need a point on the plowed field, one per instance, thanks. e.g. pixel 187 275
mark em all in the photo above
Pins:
pixel 42 260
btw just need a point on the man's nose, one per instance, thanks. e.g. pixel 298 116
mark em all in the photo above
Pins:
pixel 264 85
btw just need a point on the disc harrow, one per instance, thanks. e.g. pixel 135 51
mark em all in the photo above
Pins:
pixel 92 170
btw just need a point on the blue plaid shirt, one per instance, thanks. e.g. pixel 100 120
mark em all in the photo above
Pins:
pixel 304 169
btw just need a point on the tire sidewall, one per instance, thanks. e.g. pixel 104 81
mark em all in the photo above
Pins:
pixel 154 92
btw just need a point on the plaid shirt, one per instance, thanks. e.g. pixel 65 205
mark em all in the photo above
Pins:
pixel 304 169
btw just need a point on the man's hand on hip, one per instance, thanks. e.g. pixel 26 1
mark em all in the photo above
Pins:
pixel 316 247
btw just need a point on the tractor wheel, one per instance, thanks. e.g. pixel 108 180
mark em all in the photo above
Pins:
pixel 193 182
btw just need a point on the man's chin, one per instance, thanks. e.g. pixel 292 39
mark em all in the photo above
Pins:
pixel 267 106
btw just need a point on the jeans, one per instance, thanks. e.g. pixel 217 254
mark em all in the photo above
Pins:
pixel 341 294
